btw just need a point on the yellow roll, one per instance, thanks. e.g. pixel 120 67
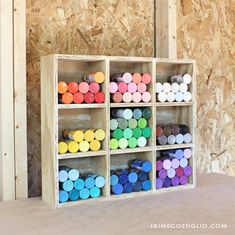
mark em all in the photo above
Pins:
pixel 73 146
pixel 76 135
pixel 84 146
pixel 62 147
pixel 99 77
pixel 100 134
pixel 89 135
pixel 95 145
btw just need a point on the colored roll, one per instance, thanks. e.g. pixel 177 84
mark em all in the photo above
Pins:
pixel 100 134
pixel 62 147
pixel 78 98
pixel 117 97
pixel 146 97
pixel 181 78
pixel 117 189
pixel 94 87
pixel 74 195
pixel 159 183
pixel 146 185
pixel 141 88
pixel 79 184
pixel 62 87
pixel 89 98
pixel 132 87
pixel 113 144
pixel 63 196
pixel 67 185
pixel 84 146
pixel 128 187
pixel 136 78
pixel 73 146
pixel 84 193
pixel 113 87
pixel 73 87
pixel 66 98
pixel 95 192
pixel 136 97
pixel 127 97
pixel 142 165
pixel 95 145
pixel 146 78
pixel 83 87
pixel 99 97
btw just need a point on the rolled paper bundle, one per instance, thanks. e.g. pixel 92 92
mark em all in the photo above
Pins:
pixel 117 189
pixel 63 196
pixel 187 153
pixel 183 180
pixel 132 123
pixel 73 146
pixel 113 124
pixel 187 96
pixel 95 192
pixel 166 87
pixel 136 78
pixel 132 142
pixel 132 87
pixel 167 182
pixel 89 182
pixel 78 98
pixel 99 134
pixel 167 130
pixel 62 147
pixel 127 97
pixel 179 97
pixel 95 145
pixel 162 174
pixel 123 177
pixel 137 186
pixel 179 171
pixel 146 97
pixel 171 139
pixel 184 129
pixel 159 183
pixel 99 180
pixel 62 87
pixel 175 163
pixel 117 97
pixel 179 139
pixel 127 133
pixel 128 187
pixel 113 180
pixel 142 142
pixel 63 176
pixel 123 143
pixel 175 129
pixel 147 132
pixel 67 185
pixel 171 173
pixel 146 185
pixel 166 164
pixel 137 113
pixel 175 87
pixel 76 135
pixel 84 146
pixel 187 138
pixel 183 87
pixel 89 135
pixel 113 144
pixel 89 98
pixel 99 97
pixel 146 78
pixel 142 176
pixel 94 87
pixel 122 123
pixel 175 181
pixel 188 170
pixel 73 174
pixel 162 97
pixel 126 77
pixel 179 153
pixel 66 98
pixel 117 134
pixel 113 87
pixel 137 132
pixel 127 114
pixel 122 87
pixel 159 131
pixel 74 195
pixel 73 87
pixel 146 113
pixel 141 165
pixel 141 88
pixel 162 140
pixel 142 123
pixel 136 97
pixel 95 77
pixel 158 87
pixel 170 96
pixel 84 193
pixel 79 184
pixel 186 78
pixel 183 162
pixel 83 87
pixel 159 165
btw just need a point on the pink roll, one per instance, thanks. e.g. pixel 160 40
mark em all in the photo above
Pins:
pixel 113 87
pixel 117 97
pixel 122 87
pixel 132 87
pixel 142 87
pixel 146 97
pixel 94 87
pixel 83 87
pixel 136 97
pixel 127 97
pixel 146 78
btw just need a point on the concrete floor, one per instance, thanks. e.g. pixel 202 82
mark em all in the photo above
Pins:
pixel 212 202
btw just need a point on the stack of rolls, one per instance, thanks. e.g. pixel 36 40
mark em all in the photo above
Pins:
pixel 175 90
pixel 127 87
pixel 81 140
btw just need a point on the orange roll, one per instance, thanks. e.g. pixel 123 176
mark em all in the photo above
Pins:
pixel 136 78
pixel 73 87
pixel 62 87
pixel 66 98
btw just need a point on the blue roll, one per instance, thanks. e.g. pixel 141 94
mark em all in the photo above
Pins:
pixel 67 185
pixel 113 180
pixel 167 182
pixel 137 186
pixel 123 178
pixel 142 176
pixel 74 195
pixel 63 176
pixel 79 184
pixel 128 187
pixel 146 185
pixel 73 174
pixel 99 181
pixel 137 113
pixel 117 189
pixel 95 192
pixel 89 182
pixel 63 196
pixel 84 193
pixel 132 177
pixel 142 165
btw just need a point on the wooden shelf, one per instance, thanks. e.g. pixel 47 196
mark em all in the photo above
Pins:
pixel 173 146
pixel 81 106
pixel 163 104
pixel 118 105
pixel 131 150
pixel 175 188
pixel 81 155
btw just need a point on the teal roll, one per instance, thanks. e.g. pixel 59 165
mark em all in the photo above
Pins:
pixel 127 133
pixel 67 185
pixel 79 184
pixel 147 113
pixel 142 142
pixel 63 196
pixel 89 182
pixel 74 195
pixel 95 192
pixel 84 193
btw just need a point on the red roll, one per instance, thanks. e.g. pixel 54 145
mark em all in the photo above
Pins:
pixel 89 97
pixel 78 98
pixel 72 87
pixel 99 97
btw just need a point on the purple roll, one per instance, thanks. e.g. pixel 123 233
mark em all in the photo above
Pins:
pixel 162 140
pixel 166 164
pixel 187 153
pixel 162 174
pixel 175 163
pixel 183 162
pixel 179 153
pixel 188 170
pixel 175 181
pixel 171 173
pixel 159 165
pixel 159 183
pixel 183 180
pixel 166 182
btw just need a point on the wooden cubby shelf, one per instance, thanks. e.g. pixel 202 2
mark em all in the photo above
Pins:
pixel 56 117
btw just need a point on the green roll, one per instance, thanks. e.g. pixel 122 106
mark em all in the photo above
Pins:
pixel 137 133
pixel 147 132
pixel 113 144
pixel 147 113
pixel 117 134
pixel 127 133
pixel 132 142
pixel 122 123
pixel 132 123
pixel 123 143
pixel 142 142
pixel 142 123
pixel 113 124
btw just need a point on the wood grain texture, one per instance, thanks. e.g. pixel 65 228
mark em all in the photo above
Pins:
pixel 206 32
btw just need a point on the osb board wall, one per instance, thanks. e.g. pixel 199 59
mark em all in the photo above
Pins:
pixel 114 27
pixel 206 32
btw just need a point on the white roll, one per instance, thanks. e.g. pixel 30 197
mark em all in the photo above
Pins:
pixel 186 78
pixel 179 97
pixel 179 139
pixel 158 87
pixel 162 97
pixel 175 87
pixel 187 96
pixel 166 87
pixel 183 87
pixel 187 138
pixel 171 139
pixel 170 97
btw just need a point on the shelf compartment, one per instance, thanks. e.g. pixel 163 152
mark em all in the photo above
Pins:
pixel 163 104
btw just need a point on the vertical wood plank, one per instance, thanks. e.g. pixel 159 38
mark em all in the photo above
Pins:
pixel 20 99
pixel 7 170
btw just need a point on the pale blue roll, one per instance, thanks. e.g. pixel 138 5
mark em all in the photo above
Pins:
pixel 99 181
pixel 63 196
pixel 73 174
pixel 89 182
pixel 67 185
pixel 127 114
pixel 63 176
